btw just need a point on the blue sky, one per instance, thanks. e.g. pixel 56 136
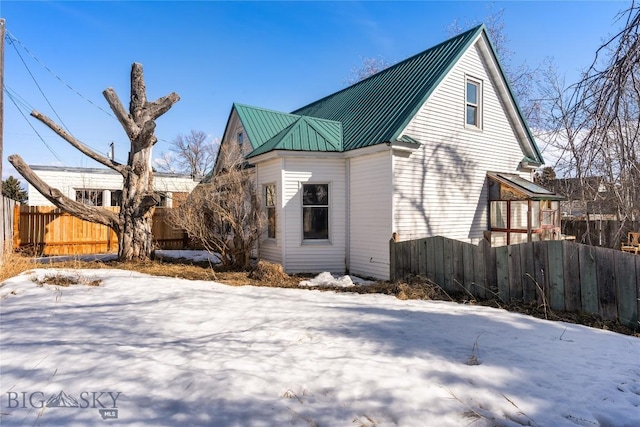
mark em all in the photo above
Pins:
pixel 277 55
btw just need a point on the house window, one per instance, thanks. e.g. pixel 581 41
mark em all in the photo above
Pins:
pixel 473 104
pixel 270 206
pixel 164 199
pixel 240 138
pixel 315 211
pixel 89 197
pixel 116 197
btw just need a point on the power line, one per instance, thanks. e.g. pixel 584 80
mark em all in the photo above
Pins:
pixel 21 104
pixel 11 97
pixel 11 38
pixel 38 86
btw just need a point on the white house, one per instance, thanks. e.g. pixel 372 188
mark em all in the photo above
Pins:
pixel 407 153
pixel 103 187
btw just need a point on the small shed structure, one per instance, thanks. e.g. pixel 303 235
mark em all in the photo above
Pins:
pixel 521 211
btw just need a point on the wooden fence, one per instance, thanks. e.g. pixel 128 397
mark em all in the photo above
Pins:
pixel 46 230
pixel 6 222
pixel 570 276
pixel 603 233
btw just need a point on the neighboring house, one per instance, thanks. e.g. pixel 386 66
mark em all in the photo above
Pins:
pixel 103 187
pixel 404 153
pixel 590 196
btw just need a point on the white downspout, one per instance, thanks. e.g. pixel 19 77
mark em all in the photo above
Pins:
pixel 347 255
pixel 283 215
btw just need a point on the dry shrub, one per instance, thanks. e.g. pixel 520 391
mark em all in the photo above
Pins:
pixel 419 287
pixel 13 263
pixel 267 272
pixel 66 280
pixel 183 269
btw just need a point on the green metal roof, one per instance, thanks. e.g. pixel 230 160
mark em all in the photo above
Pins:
pixel 378 108
pixel 372 111
pixel 305 134
pixel 261 124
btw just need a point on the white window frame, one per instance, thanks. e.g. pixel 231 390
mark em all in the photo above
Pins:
pixel 240 137
pixel 303 206
pixel 89 196
pixel 478 105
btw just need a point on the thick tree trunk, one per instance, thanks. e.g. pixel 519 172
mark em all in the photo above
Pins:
pixel 135 241
pixel 138 197
pixel 136 212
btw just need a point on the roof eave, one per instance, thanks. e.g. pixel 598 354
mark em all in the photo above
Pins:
pixel 518 110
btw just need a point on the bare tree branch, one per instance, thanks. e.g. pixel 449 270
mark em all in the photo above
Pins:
pixel 130 127
pixel 162 105
pixel 122 169
pixel 89 213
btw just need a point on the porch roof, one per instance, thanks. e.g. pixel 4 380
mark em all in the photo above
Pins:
pixel 529 189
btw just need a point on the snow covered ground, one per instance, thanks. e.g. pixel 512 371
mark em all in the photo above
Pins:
pixel 143 350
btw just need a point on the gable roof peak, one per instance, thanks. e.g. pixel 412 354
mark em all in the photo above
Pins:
pixel 376 109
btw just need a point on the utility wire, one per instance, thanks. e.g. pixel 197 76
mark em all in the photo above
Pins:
pixel 21 104
pixel 11 38
pixel 10 94
pixel 38 85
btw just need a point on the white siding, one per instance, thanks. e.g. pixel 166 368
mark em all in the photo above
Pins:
pixel 370 215
pixel 441 188
pixel 270 172
pixel 68 180
pixel 309 256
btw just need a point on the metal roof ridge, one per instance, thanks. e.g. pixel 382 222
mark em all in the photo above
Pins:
pixel 310 122
pixel 394 66
pixel 266 110
pixel 273 142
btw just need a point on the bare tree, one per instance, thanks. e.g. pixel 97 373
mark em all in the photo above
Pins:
pixel 592 128
pixel 368 68
pixel 193 154
pixel 545 177
pixel 607 102
pixel 133 223
pixel 224 215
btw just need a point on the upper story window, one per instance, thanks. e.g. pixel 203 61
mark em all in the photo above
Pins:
pixel 315 211
pixel 240 137
pixel 270 206
pixel 473 104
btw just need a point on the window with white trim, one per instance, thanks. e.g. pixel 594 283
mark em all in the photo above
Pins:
pixel 473 104
pixel 270 207
pixel 89 197
pixel 315 211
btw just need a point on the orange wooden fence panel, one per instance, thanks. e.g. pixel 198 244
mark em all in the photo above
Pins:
pixel 47 230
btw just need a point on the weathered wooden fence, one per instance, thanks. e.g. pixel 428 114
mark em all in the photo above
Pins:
pixel 46 230
pixel 604 233
pixel 8 207
pixel 570 276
